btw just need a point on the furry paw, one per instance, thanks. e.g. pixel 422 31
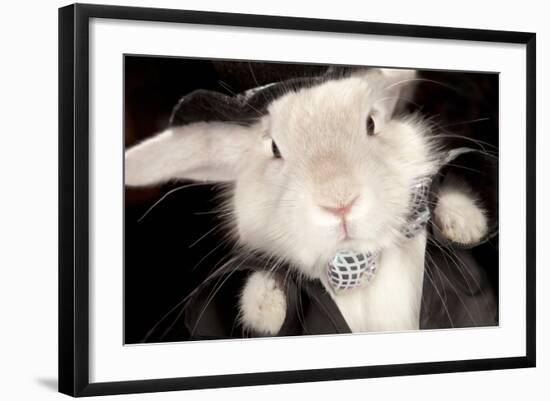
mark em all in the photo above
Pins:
pixel 459 218
pixel 262 304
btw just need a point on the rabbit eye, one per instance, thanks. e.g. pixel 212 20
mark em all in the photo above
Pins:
pixel 275 150
pixel 370 126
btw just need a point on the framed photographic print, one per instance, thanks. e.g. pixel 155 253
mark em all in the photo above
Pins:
pixel 250 199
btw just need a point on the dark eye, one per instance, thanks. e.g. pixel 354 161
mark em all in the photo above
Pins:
pixel 370 126
pixel 275 150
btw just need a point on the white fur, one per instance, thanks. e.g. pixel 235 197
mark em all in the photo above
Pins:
pixel 327 160
pixel 458 216
pixel 262 304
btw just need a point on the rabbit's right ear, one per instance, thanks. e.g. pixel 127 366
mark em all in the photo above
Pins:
pixel 206 151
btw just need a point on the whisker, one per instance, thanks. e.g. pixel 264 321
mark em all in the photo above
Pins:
pixel 476 120
pixel 446 310
pixel 216 289
pixel 167 194
pixel 216 227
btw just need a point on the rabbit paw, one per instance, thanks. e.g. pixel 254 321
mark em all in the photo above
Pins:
pixel 459 218
pixel 262 304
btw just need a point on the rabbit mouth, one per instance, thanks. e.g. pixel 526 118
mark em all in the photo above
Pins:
pixel 352 265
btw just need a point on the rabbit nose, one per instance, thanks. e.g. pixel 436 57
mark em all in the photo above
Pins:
pixel 341 210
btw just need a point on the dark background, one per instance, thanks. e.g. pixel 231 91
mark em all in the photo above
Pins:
pixel 163 248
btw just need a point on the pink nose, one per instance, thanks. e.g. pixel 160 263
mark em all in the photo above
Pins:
pixel 341 210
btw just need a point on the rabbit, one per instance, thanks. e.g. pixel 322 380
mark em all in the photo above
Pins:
pixel 328 166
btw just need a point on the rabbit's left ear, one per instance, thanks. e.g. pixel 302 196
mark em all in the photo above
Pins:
pixel 394 89
pixel 205 151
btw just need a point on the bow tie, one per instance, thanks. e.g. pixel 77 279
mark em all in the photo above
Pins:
pixel 349 269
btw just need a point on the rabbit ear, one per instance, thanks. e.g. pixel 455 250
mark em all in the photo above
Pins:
pixel 395 88
pixel 199 151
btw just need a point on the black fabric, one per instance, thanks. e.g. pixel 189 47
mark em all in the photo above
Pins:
pixel 456 291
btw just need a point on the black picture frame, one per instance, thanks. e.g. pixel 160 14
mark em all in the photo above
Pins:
pixel 74 198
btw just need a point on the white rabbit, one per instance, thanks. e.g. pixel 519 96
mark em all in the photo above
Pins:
pixel 327 167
